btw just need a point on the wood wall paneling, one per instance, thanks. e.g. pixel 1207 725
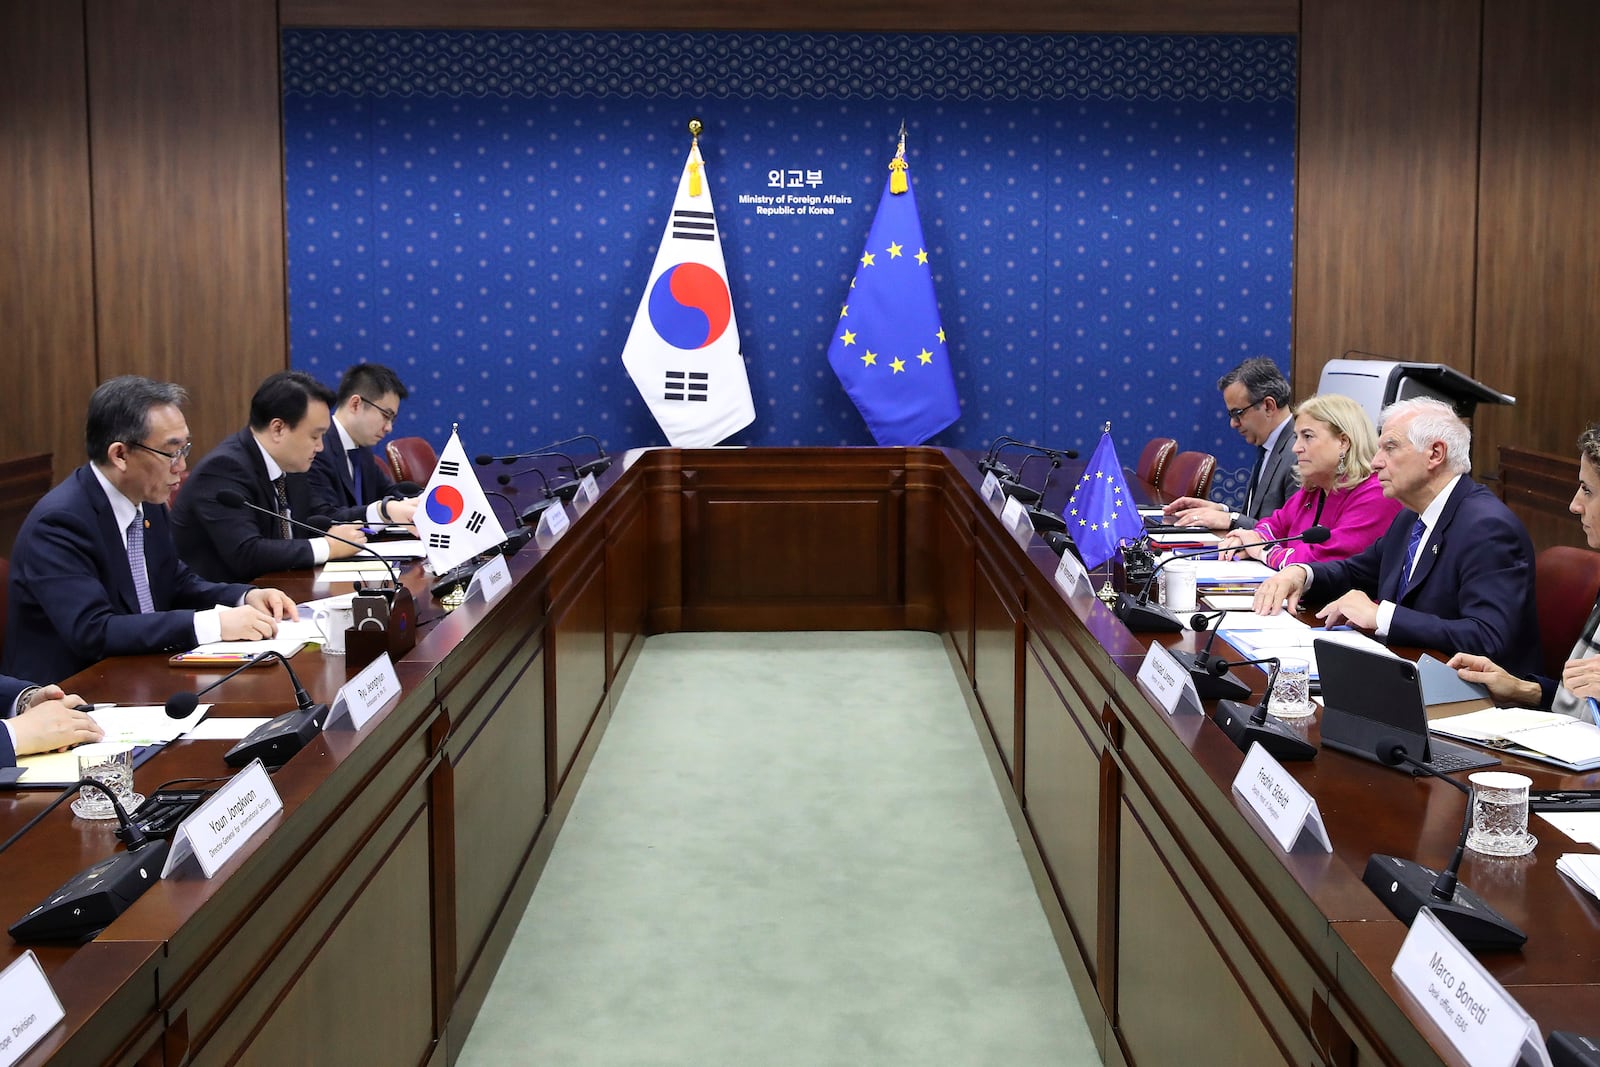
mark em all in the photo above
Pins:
pixel 184 126
pixel 46 272
pixel 1386 182
pixel 1538 314
pixel 1004 16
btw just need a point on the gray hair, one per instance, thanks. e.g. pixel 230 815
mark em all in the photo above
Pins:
pixel 119 410
pixel 1261 378
pixel 1434 420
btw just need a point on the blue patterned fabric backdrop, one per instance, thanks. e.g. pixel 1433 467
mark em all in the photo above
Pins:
pixel 1109 220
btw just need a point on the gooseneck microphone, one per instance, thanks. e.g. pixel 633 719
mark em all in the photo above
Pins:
pixel 1405 886
pixel 92 898
pixel 274 741
pixel 1015 487
pixel 232 498
pixel 1209 684
pixel 1141 616
pixel 990 463
pixel 1046 521
pixel 1246 725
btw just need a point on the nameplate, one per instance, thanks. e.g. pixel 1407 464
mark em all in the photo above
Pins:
pixel 1279 801
pixel 1168 681
pixel 491 580
pixel 1487 1027
pixel 220 827
pixel 1015 516
pixel 553 521
pixel 365 695
pixel 588 489
pixel 29 1008
pixel 990 489
pixel 1070 574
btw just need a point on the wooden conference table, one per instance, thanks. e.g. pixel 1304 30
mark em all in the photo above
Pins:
pixel 366 925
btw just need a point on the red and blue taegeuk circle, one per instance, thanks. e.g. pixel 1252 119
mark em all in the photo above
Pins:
pixel 444 505
pixel 690 306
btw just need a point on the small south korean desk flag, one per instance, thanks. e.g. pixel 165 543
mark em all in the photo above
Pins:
pixel 455 521
pixel 683 350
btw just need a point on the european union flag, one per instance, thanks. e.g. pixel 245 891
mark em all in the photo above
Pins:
pixel 889 350
pixel 1101 512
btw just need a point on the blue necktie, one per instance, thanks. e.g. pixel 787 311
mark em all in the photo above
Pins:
pixel 1411 559
pixel 355 477
pixel 141 579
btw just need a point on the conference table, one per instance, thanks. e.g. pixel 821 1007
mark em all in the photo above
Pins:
pixel 365 923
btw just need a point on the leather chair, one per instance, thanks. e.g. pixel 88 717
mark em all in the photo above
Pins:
pixel 1189 474
pixel 1565 581
pixel 412 459
pixel 5 599
pixel 1154 459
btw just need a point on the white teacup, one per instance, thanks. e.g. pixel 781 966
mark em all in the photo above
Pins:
pixel 333 622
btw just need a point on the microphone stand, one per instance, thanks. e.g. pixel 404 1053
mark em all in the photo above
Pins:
pixel 1246 726
pixel 1406 886
pixel 1047 521
pixel 1141 616
pixel 1025 493
pixel 990 463
pixel 1210 686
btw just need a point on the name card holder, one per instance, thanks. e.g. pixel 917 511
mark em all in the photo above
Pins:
pixel 1486 1027
pixel 1168 682
pixel 29 1008
pixel 491 580
pixel 1015 517
pixel 231 816
pixel 365 695
pixel 1070 574
pixel 588 490
pixel 553 521
pixel 1282 803
pixel 990 489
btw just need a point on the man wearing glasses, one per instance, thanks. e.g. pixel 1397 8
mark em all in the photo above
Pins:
pixel 348 483
pixel 265 464
pixel 1256 395
pixel 94 572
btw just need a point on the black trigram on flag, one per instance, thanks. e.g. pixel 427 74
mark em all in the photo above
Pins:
pixel 694 226
pixel 475 522
pixel 438 540
pixel 449 468
pixel 688 385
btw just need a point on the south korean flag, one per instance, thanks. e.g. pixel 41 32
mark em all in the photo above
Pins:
pixel 455 521
pixel 683 349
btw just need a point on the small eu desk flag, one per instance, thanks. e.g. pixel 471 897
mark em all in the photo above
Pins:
pixel 889 349
pixel 1101 512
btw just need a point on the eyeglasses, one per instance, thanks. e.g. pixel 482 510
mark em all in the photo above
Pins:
pixel 173 458
pixel 388 416
pixel 1235 414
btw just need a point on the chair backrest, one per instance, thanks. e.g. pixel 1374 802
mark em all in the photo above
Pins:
pixel 5 599
pixel 1189 474
pixel 1154 459
pixel 412 459
pixel 1566 581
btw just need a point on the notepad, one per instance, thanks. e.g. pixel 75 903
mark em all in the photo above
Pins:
pixel 1538 735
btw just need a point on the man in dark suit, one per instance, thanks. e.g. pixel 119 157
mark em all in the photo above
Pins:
pixel 1455 570
pixel 41 720
pixel 1256 395
pixel 266 464
pixel 94 572
pixel 348 483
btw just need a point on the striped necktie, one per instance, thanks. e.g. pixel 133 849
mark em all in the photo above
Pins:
pixel 280 486
pixel 141 579
pixel 1411 558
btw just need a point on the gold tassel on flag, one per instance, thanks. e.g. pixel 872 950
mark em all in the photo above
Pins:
pixel 897 165
pixel 694 168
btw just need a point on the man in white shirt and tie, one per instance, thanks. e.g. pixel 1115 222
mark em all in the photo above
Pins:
pixel 1256 395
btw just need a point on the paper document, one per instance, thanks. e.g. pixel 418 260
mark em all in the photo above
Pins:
pixel 1236 621
pixel 1299 643
pixel 1539 735
pixel 145 725
pixel 1230 602
pixel 408 548
pixel 1583 869
pixel 1581 826
pixel 1231 572
pixel 239 651
pixel 223 728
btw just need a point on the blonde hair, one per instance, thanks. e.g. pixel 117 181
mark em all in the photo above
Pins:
pixel 1347 419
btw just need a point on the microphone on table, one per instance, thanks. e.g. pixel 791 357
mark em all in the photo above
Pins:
pixel 564 492
pixel 92 898
pixel 990 463
pixel 598 465
pixel 1013 486
pixel 318 525
pixel 1405 886
pixel 1246 726
pixel 1046 521
pixel 521 536
pixel 1208 684
pixel 1141 616
pixel 274 741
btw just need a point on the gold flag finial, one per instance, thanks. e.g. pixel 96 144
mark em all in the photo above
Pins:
pixel 695 127
pixel 897 165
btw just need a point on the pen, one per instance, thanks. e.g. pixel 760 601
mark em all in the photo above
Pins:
pixel 93 707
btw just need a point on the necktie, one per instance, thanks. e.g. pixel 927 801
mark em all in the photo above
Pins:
pixel 355 477
pixel 280 486
pixel 1255 476
pixel 1411 558
pixel 141 580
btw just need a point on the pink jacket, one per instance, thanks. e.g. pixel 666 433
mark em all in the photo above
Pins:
pixel 1357 516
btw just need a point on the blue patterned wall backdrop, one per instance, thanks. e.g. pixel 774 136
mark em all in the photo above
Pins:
pixel 1110 220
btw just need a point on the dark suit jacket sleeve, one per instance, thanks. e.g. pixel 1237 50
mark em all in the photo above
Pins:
pixel 10 689
pixel 240 537
pixel 1361 571
pixel 328 486
pixel 1492 576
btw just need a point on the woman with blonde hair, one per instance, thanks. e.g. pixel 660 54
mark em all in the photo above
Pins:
pixel 1333 447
